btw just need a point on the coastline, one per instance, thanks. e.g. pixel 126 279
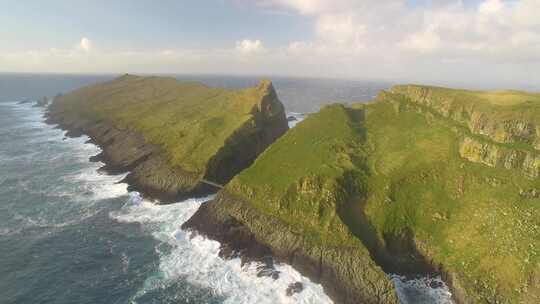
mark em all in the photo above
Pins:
pixel 236 240
pixel 125 151
pixel 346 274
pixel 138 210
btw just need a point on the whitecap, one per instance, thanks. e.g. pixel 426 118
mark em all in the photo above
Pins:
pixel 422 290
pixel 195 259
pixel 298 117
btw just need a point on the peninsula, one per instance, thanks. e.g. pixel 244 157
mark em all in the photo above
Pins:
pixel 177 139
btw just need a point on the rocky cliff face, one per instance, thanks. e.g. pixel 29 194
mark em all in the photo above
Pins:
pixel 476 150
pixel 173 136
pixel 292 201
pixel 481 113
pixel 347 272
pixel 497 134
pixel 267 123
pixel 461 175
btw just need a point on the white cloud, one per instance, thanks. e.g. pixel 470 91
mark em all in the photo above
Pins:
pixel 425 41
pixel 340 29
pixel 247 46
pixel 483 41
pixel 447 28
pixel 491 7
pixel 526 13
pixel 85 44
pixel 487 41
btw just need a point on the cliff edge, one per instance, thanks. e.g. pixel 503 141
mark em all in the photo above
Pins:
pixel 176 138
pixel 294 201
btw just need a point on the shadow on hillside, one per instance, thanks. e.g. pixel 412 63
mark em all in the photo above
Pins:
pixel 394 252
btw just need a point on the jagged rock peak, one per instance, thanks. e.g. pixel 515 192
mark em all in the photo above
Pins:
pixel 265 86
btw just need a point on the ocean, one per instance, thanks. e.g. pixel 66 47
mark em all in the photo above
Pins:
pixel 70 233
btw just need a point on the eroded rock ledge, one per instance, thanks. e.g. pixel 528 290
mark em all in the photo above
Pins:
pixel 504 116
pixel 499 129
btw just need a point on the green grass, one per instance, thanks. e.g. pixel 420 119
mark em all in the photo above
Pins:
pixel 306 176
pixel 508 98
pixel 396 169
pixel 190 121
pixel 469 217
pixel 508 111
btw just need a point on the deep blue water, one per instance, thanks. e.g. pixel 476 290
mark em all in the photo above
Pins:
pixel 70 234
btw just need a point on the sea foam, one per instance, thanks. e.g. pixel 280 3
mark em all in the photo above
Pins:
pixel 195 259
pixel 428 290
pixel 79 188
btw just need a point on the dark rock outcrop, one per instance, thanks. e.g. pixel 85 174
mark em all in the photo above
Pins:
pixel 348 275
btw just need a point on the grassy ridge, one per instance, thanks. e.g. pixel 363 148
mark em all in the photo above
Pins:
pixel 190 121
pixel 308 174
pixel 469 217
pixel 510 117
pixel 506 98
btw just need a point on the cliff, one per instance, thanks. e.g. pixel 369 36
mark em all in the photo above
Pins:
pixel 292 200
pixel 503 126
pixel 173 136
pixel 420 180
pixel 454 175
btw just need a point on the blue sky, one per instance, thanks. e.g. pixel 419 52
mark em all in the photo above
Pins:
pixel 444 41
pixel 144 24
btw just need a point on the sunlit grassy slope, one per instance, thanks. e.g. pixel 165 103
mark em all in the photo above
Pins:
pixel 307 174
pixel 500 97
pixel 468 217
pixel 189 120
pixel 395 163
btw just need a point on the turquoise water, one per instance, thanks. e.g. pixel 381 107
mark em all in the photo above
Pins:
pixel 71 234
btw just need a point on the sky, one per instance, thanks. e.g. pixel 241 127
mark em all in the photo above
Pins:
pixel 475 42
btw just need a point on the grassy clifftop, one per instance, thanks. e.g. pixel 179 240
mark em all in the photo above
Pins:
pixel 199 131
pixel 511 117
pixel 414 175
pixel 309 174
pixel 478 220
pixel 297 192
pixel 189 120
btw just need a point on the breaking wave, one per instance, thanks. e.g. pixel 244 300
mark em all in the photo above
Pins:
pixel 195 258
pixel 428 290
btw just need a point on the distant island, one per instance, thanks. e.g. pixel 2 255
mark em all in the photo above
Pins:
pixel 420 180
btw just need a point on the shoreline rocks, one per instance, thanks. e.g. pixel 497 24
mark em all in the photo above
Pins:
pixel 348 275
